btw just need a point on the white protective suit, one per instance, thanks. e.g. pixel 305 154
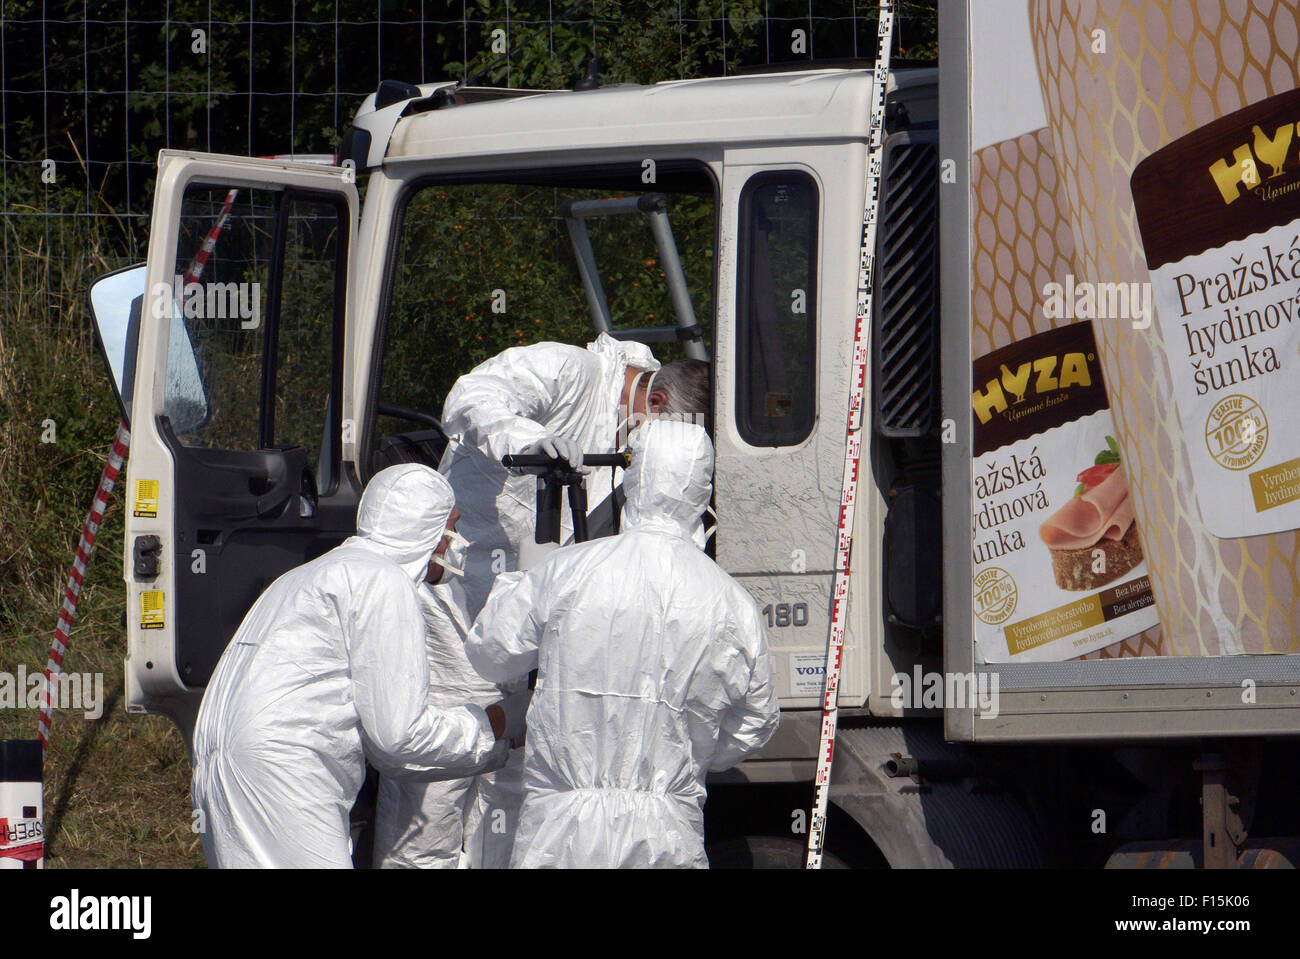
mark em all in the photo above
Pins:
pixel 327 670
pixel 504 405
pixel 420 825
pixel 653 669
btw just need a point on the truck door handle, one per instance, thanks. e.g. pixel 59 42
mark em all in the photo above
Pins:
pixel 146 553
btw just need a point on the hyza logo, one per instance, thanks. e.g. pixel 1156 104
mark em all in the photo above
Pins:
pixel 210 301
pixel 75 912
pixel 23 690
pixel 1244 168
pixel 922 690
pixel 1044 375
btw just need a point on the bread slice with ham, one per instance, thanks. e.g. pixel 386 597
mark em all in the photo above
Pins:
pixel 1099 517
pixel 1085 519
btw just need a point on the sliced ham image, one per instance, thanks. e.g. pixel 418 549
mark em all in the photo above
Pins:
pixel 1101 512
pixel 1120 520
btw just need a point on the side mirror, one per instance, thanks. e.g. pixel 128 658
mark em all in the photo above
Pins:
pixel 116 305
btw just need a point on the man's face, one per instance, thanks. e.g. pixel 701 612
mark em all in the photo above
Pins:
pixel 639 405
pixel 434 573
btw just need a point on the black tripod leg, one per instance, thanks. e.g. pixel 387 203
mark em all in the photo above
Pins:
pixel 548 511
pixel 578 506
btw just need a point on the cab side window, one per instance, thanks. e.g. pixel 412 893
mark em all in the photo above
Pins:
pixel 776 309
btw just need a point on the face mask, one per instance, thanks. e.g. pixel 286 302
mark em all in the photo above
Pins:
pixel 633 420
pixel 453 560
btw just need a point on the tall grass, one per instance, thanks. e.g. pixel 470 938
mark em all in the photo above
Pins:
pixel 116 788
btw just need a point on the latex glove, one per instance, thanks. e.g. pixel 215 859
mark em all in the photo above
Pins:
pixel 562 448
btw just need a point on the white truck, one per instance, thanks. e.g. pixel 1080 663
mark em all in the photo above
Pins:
pixel 284 341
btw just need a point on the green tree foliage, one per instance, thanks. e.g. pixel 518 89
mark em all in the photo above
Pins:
pixel 120 81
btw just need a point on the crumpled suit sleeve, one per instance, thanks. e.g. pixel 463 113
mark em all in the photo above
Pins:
pixel 504 641
pixel 498 406
pixel 404 737
pixel 752 720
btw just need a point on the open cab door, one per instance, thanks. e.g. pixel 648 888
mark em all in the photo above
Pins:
pixel 227 351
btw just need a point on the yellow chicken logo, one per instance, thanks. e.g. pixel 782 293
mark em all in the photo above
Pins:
pixel 1047 373
pixel 1273 152
pixel 1243 170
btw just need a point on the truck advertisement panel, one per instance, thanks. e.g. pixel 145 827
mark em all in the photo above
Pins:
pixel 1135 263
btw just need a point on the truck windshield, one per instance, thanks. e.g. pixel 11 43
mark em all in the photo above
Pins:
pixel 481 267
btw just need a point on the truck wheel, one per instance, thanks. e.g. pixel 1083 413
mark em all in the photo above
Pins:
pixel 765 852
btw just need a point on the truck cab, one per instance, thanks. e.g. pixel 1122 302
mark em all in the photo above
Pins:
pixel 294 341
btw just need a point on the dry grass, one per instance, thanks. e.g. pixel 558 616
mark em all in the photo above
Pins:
pixel 117 787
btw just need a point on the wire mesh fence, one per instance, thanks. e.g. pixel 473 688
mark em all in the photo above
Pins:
pixel 89 93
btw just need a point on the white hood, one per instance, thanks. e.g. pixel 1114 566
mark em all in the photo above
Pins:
pixel 624 353
pixel 670 477
pixel 616 356
pixel 403 514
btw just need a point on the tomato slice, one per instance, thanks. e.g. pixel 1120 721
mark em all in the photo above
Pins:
pixel 1095 475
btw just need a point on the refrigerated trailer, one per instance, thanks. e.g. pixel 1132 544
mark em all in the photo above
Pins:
pixel 1022 683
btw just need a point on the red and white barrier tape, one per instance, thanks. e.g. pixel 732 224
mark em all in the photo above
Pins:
pixel 54 665
pixel 853 445
pixel 107 480
pixel 195 269
pixel 26 851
